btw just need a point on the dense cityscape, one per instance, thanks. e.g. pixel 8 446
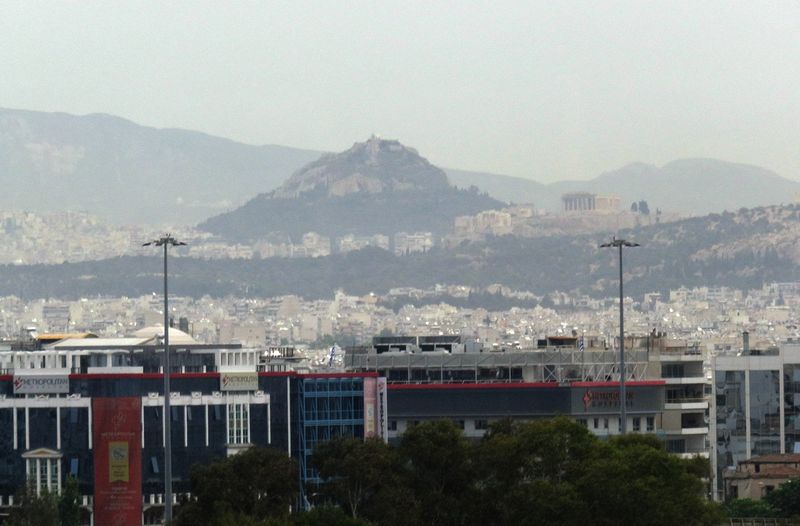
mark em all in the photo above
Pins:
pixel 404 263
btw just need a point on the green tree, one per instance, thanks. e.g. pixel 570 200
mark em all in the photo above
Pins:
pixel 357 472
pixel 34 510
pixel 527 470
pixel 327 516
pixel 785 499
pixel 632 473
pixel 254 485
pixel 69 510
pixel 743 508
pixel 439 472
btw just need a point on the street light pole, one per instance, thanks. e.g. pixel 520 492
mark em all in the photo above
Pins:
pixel 623 417
pixel 166 241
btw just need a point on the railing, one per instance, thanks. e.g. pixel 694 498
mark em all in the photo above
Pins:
pixel 686 400
pixel 458 381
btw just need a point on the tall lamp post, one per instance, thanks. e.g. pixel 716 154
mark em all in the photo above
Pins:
pixel 166 241
pixel 623 417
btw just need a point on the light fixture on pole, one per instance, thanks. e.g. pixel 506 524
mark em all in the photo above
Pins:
pixel 623 418
pixel 166 241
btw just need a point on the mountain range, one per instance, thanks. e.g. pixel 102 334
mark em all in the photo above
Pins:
pixel 127 173
pixel 56 161
pixel 684 186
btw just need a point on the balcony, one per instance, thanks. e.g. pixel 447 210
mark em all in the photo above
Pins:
pixel 694 430
pixel 686 404
pixel 689 454
pixel 685 380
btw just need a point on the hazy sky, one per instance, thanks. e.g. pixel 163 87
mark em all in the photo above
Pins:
pixel 546 90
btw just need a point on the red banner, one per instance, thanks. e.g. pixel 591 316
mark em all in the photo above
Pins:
pixel 117 434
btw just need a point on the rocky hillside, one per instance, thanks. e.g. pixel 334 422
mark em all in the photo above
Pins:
pixel 376 187
pixel 370 167
pixel 743 250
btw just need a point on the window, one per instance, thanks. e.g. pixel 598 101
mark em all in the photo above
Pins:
pixel 73 467
pixel 605 423
pixel 651 423
pixel 676 446
pixel 238 423
pixel 672 370
pixel 44 473
pixel 596 423
pixel 637 423
pixel 392 425
pixel 154 465
pixel 582 421
pixel 481 425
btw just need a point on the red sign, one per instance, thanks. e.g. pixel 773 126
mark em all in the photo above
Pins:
pixel 117 434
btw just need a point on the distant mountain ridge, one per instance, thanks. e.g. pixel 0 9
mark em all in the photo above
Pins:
pixel 128 173
pixel 375 187
pixel 687 186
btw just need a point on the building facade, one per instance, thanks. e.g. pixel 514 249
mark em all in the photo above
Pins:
pixel 104 425
pixel 443 377
pixel 755 408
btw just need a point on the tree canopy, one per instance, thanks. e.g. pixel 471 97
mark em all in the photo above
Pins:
pixel 546 472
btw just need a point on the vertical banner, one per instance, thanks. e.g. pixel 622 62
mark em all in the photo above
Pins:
pixel 383 410
pixel 370 398
pixel 117 433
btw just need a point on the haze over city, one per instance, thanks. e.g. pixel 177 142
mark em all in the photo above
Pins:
pixel 361 264
pixel 542 90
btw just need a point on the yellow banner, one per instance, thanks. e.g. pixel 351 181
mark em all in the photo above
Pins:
pixel 118 462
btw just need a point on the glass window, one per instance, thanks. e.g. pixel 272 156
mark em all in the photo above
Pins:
pixel 731 422
pixel 672 370
pixel 676 446
pixel 637 423
pixel 765 427
pixel 238 423
pixel 44 474
pixel 651 423
pixel 791 404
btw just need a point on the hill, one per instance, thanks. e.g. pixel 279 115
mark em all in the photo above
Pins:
pixel 56 161
pixel 375 187
pixel 743 250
